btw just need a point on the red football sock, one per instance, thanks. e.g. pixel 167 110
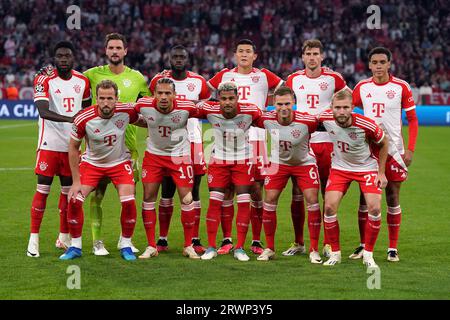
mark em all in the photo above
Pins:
pixel 128 215
pixel 38 206
pixel 372 229
pixel 227 218
pixel 62 206
pixel 314 220
pixel 165 215
pixel 394 218
pixel 242 218
pixel 298 217
pixel 75 216
pixel 188 222
pixel 213 216
pixel 270 223
pixel 198 212
pixel 149 218
pixel 362 220
pixel 325 235
pixel 331 226
pixel 256 212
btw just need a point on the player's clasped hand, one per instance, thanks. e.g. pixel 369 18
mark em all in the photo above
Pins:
pixel 75 189
pixel 381 181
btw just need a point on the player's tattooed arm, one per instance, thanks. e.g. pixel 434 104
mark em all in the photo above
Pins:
pixel 140 122
pixel 46 113
pixel 74 162
pixel 381 180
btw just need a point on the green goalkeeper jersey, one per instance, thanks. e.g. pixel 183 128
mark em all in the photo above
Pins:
pixel 131 84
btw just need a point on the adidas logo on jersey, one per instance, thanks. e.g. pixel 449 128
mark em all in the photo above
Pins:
pixel 301 88
pixel 369 96
pixel 97 131
pixel 58 91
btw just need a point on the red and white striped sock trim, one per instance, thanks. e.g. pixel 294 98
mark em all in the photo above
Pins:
pixel 43 188
pixel 297 197
pixel 148 205
pixel 65 190
pixel 227 203
pixel 394 210
pixel 127 198
pixel 197 204
pixel 187 207
pixel 374 218
pixel 244 197
pixel 215 195
pixel 166 202
pixel 256 204
pixel 269 207
pixel 313 207
pixel 330 219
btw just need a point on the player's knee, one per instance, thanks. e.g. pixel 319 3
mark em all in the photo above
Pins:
pixel 330 209
pixel 374 209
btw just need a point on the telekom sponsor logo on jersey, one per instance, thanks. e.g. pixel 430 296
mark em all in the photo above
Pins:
pixel 312 100
pixel 378 109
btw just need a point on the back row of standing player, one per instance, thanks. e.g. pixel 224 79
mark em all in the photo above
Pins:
pixel 382 97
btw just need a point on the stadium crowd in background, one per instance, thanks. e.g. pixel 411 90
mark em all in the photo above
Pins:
pixel 210 28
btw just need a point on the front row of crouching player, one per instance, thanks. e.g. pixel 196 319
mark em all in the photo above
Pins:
pixel 355 141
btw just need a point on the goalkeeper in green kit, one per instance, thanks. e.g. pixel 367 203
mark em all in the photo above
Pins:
pixel 132 86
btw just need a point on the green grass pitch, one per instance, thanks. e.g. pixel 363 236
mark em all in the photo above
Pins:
pixel 422 273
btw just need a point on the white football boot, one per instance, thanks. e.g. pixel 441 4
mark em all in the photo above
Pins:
pixel 268 254
pixel 149 253
pixel 335 258
pixel 99 248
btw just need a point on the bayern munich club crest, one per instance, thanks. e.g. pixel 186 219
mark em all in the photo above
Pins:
pixel 242 124
pixel 119 124
pixel 191 87
pixel 255 79
pixel 176 119
pixel 210 178
pixel 323 86
pixel 77 88
pixel 43 165
pixel 390 94
pixel 296 133
pixel 266 180
pixel 353 135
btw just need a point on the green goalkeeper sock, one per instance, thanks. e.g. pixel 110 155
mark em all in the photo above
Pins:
pixel 96 213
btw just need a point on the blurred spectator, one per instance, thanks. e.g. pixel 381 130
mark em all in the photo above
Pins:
pixel 415 31
pixel 425 92
pixel 12 92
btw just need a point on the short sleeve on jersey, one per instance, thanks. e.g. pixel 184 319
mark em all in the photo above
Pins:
pixel 272 79
pixel 217 79
pixel 40 88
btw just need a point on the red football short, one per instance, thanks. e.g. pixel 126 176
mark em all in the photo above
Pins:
pixel 198 159
pixel 322 151
pixel 221 175
pixel 394 171
pixel 155 167
pixel 122 173
pixel 307 177
pixel 52 163
pixel 339 180
pixel 260 158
